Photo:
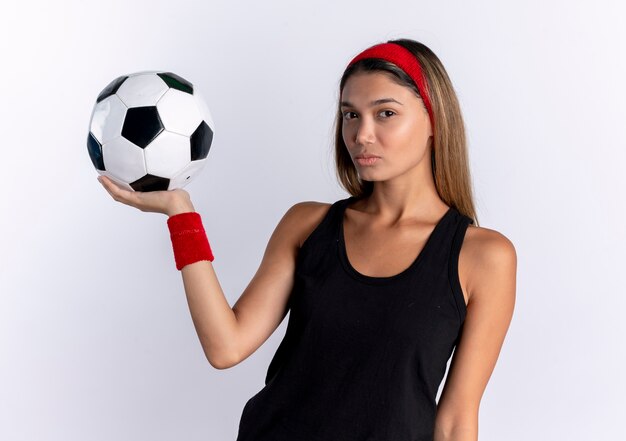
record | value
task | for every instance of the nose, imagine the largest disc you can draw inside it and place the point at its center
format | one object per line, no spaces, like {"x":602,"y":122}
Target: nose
{"x":364,"y":132}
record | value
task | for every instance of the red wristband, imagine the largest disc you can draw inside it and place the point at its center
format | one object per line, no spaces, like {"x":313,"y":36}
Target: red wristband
{"x":189,"y":239}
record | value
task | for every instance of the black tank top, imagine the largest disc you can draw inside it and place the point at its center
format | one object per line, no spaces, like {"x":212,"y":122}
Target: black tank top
{"x":362,"y":357}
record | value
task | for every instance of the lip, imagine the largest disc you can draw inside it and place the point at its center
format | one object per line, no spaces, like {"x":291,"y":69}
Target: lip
{"x":366,"y":156}
{"x":370,"y":160}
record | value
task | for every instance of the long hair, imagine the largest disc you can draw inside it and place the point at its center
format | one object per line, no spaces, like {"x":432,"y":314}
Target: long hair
{"x":449,"y":157}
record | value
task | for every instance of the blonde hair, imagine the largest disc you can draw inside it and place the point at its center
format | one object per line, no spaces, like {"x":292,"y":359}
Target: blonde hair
{"x":450,"y":163}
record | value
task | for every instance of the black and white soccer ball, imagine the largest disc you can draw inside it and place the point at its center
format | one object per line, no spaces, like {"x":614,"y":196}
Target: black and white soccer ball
{"x":150,"y":131}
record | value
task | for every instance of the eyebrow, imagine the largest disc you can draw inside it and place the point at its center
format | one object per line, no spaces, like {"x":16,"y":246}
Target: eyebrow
{"x":373,"y":103}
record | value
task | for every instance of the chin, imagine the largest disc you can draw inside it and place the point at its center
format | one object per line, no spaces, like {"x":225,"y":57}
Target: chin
{"x":369,"y":175}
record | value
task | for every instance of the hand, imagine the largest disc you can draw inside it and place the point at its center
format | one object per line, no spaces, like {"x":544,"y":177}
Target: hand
{"x":168,"y":202}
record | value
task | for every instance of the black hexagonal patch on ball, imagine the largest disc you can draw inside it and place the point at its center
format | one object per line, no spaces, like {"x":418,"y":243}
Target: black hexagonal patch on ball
{"x":150,"y":183}
{"x":201,"y":141}
{"x":111,"y":88}
{"x":176,"y":82}
{"x":142,"y":125}
{"x":95,"y":152}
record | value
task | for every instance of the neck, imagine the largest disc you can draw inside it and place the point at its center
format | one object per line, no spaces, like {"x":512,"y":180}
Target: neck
{"x":405,"y":199}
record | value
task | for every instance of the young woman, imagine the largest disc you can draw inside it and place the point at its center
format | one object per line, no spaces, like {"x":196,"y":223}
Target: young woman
{"x":381,"y":286}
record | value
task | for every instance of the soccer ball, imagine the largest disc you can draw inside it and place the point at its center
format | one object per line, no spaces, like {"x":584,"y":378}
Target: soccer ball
{"x":150,"y":131}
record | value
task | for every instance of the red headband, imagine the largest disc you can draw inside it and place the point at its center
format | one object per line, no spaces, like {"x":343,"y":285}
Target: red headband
{"x":405,"y":60}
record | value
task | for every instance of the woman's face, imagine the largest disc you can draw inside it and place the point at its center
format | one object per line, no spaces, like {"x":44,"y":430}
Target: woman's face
{"x":384,"y":119}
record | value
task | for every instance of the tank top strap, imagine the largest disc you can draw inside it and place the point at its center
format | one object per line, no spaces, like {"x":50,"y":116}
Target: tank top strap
{"x":444,"y":234}
{"x":461,"y":225}
{"x":326,"y":231}
{"x":331,"y":224}
{"x":338,"y":208}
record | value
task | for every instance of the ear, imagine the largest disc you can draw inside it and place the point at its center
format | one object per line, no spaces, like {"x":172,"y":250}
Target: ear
{"x":430,"y":143}
{"x":428,"y":123}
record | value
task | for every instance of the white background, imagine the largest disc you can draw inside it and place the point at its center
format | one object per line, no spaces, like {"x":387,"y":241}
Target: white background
{"x":96,"y":341}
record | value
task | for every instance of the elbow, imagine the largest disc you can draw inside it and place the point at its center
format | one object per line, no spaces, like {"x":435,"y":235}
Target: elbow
{"x":222,"y":354}
{"x":456,"y":433}
{"x":457,"y":428}
{"x":220,"y":366}
{"x":222,"y":362}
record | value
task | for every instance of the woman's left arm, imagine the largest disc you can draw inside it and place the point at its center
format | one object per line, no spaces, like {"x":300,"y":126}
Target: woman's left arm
{"x":490,"y":262}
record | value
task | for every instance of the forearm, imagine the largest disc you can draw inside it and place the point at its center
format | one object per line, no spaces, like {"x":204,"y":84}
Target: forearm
{"x":213,"y":317}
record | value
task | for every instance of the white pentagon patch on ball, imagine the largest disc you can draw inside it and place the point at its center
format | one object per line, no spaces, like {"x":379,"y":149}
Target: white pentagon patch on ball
{"x":150,"y":131}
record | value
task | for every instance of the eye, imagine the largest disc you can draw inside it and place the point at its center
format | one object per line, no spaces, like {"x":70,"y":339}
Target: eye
{"x":349,"y":115}
{"x":387,"y":113}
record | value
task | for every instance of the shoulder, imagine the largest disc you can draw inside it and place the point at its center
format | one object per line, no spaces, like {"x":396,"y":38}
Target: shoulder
{"x":305,"y":216}
{"x":486,"y":244}
{"x":309,"y":206}
{"x":487,"y":259}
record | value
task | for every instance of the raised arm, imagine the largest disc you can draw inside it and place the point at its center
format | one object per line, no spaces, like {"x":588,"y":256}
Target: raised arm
{"x":229,"y":335}
{"x":487,"y":264}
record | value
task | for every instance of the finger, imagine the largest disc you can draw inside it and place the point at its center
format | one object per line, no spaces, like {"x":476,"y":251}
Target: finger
{"x":118,"y":193}
{"x":107,"y":184}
